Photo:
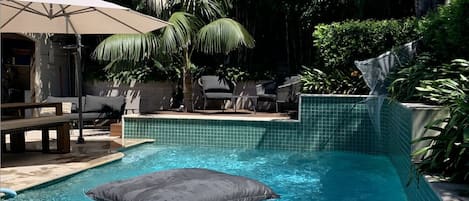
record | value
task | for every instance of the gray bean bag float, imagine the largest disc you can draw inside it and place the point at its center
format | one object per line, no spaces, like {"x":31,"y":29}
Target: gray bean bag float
{"x":188,"y":184}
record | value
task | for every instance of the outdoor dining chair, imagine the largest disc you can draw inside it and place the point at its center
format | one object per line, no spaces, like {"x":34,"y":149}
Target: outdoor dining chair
{"x":287,"y":92}
{"x":216,"y":88}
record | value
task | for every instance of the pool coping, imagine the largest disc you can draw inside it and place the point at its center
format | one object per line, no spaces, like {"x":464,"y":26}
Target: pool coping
{"x":206,"y":117}
{"x":107,"y":159}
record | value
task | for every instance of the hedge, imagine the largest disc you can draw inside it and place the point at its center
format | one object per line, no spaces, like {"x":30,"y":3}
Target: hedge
{"x":341,"y":43}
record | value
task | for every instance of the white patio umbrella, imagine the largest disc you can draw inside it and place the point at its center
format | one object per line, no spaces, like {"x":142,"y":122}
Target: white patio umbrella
{"x":73,"y":17}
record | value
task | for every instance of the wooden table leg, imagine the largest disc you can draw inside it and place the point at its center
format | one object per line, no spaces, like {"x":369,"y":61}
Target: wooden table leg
{"x":63,"y":138}
{"x":17,"y":141}
{"x":45,"y":140}
{"x":4,"y":143}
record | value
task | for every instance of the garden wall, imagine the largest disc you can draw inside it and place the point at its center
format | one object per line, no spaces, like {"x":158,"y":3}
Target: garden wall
{"x":158,"y":95}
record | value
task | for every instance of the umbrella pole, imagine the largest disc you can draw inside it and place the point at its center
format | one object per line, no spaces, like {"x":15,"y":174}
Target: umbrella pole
{"x":80,"y":139}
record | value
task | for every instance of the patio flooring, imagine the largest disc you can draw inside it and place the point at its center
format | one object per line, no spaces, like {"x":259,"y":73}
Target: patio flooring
{"x":20,"y":171}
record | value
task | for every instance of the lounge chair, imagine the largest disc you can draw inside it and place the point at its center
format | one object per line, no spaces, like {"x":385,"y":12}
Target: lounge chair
{"x":285,"y":93}
{"x":216,"y":88}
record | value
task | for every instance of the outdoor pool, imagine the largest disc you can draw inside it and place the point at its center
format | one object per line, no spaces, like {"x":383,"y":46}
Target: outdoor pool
{"x":319,"y":176}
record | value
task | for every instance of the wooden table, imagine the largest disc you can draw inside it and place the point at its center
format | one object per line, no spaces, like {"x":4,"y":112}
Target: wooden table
{"x":16,"y":127}
{"x":22,"y":106}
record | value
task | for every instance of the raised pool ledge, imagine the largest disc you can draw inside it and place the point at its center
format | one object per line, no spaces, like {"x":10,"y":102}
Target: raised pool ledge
{"x":208,"y":117}
{"x":326,"y":123}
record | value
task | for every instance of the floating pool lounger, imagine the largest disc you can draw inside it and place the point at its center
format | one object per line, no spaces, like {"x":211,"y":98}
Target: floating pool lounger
{"x":8,"y":193}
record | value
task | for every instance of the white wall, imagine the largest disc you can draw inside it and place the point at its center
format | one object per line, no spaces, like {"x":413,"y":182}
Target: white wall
{"x":50,"y":67}
{"x":140,"y":97}
{"x":157,"y":95}
{"x":422,"y":115}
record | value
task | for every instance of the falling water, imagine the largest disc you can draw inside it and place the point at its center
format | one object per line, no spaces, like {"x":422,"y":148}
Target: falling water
{"x":375,"y":71}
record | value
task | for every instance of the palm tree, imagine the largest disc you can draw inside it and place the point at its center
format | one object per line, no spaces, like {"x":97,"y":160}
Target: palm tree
{"x":196,"y":25}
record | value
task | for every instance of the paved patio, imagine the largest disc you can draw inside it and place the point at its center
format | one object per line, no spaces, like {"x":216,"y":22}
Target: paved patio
{"x":20,"y":171}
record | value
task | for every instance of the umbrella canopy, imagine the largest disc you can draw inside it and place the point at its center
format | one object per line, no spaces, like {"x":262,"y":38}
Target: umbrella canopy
{"x":73,"y":17}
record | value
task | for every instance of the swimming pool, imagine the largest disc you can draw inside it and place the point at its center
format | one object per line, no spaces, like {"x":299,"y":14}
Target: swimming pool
{"x":322,"y":176}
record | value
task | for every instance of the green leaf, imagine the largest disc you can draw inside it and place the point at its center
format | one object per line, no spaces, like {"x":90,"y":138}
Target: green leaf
{"x":223,"y":36}
{"x":466,"y":135}
{"x":421,"y":151}
{"x":133,"y":47}
{"x":180,"y":33}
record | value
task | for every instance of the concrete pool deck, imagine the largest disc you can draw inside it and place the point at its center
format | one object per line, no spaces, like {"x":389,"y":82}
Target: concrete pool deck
{"x":20,"y":171}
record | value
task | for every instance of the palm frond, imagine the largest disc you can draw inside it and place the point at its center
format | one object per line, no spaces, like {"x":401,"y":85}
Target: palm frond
{"x":133,"y":47}
{"x":158,"y":8}
{"x":209,"y":9}
{"x":223,"y":36}
{"x":182,"y":29}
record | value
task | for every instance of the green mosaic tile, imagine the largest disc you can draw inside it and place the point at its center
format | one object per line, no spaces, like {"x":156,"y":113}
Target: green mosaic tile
{"x":326,"y":124}
{"x":398,"y":131}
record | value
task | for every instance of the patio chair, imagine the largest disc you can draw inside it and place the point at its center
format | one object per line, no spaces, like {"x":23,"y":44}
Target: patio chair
{"x":216,"y":88}
{"x":285,"y":93}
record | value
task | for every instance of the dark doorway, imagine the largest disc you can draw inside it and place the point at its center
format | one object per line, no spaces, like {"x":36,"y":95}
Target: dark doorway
{"x":17,"y":61}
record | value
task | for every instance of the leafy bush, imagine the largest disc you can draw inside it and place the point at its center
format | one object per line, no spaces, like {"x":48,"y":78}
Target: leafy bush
{"x":233,"y":73}
{"x":316,"y":81}
{"x":445,"y":32}
{"x":340,"y":44}
{"x":124,"y":71}
{"x":448,"y":153}
{"x":405,"y":80}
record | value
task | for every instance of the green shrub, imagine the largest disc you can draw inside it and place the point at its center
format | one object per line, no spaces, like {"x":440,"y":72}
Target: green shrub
{"x":340,"y":44}
{"x":124,"y":71}
{"x":316,"y":81}
{"x":445,"y":32}
{"x":405,"y":80}
{"x":448,"y":154}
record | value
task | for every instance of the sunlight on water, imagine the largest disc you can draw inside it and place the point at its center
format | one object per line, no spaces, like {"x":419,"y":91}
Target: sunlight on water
{"x":324,"y":176}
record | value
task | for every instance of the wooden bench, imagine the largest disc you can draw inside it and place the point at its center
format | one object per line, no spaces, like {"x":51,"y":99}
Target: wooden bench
{"x":16,"y":128}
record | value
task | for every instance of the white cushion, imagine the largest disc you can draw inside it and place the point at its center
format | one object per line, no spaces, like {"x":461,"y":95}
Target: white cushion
{"x":50,"y":111}
{"x":73,"y":100}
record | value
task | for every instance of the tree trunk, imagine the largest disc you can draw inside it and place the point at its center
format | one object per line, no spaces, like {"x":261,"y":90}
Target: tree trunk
{"x":187,"y":83}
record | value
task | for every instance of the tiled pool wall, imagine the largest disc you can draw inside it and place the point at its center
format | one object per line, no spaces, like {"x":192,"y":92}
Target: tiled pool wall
{"x":338,"y":123}
{"x":326,"y":123}
{"x":397,"y":129}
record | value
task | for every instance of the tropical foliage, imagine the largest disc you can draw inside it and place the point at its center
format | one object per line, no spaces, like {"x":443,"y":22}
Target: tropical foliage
{"x":440,"y":77}
{"x":444,"y":38}
{"x":318,"y":82}
{"x":405,"y":80}
{"x":340,"y":44}
{"x":195,"y":26}
{"x":282,"y":28}
{"x":445,"y":32}
{"x":448,"y":152}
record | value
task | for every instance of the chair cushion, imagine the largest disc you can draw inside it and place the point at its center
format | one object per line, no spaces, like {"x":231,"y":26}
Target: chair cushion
{"x":50,"y":111}
{"x":291,"y":79}
{"x":218,"y":95}
{"x":268,"y":87}
{"x":88,"y":116}
{"x":268,"y":97}
{"x":188,"y":184}
{"x":73,"y":100}
{"x":215,"y":84}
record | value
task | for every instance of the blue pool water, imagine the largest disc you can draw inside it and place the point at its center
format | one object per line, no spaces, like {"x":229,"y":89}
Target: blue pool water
{"x":322,"y":176}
